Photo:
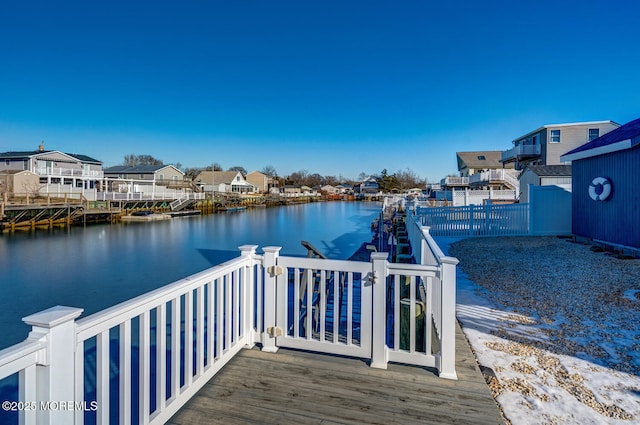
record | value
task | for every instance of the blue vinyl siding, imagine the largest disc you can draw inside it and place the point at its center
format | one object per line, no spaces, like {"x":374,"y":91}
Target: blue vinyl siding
{"x":617,"y":219}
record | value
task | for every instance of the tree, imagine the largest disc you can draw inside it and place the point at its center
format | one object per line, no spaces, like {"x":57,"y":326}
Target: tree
{"x":298,"y":178}
{"x":409,"y":179}
{"x":216,"y":167}
{"x":269,"y":170}
{"x":239,"y":169}
{"x":134,"y":160}
{"x":192,"y":173}
{"x":314,"y":180}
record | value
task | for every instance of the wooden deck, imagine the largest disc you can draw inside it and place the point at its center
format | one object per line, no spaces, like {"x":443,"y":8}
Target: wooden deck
{"x":296,"y":387}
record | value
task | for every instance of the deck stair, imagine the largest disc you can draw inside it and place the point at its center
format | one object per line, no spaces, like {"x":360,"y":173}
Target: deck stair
{"x":181,"y":203}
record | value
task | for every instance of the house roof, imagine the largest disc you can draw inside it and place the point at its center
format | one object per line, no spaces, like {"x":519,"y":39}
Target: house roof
{"x":137,"y":169}
{"x":219,"y":177}
{"x":549,"y":170}
{"x":479,"y":159}
{"x":29,"y":154}
{"x":623,"y":137}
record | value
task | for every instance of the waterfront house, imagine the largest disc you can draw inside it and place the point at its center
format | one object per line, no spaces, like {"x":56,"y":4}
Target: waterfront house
{"x":344,"y":188}
{"x":545,"y":145}
{"x":369,"y":185}
{"x":60,"y":174}
{"x":485,"y":171}
{"x":291,"y":190}
{"x":605,"y":179}
{"x":161,"y":174}
{"x":262,"y":182}
{"x":139,"y":177}
{"x":544,"y":175}
{"x":470,"y":163}
{"x":223,"y":182}
{"x":329,"y":190}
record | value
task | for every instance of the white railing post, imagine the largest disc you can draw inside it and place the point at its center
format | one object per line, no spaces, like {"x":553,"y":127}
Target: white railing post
{"x":55,"y":373}
{"x":426,"y":256}
{"x":248,"y":293}
{"x":270,"y":258}
{"x":379,"y":351}
{"x":447,"y":367}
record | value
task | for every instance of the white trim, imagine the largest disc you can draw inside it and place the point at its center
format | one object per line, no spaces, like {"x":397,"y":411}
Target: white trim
{"x":600,"y":150}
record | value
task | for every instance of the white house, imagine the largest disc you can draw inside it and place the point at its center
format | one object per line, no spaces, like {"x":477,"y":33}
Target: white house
{"x":223,"y":181}
{"x":61,"y":174}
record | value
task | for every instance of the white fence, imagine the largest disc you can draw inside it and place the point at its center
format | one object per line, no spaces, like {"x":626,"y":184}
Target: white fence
{"x":466,"y":197}
{"x":476,"y":220}
{"x":68,"y":191}
{"x":159,"y":193}
{"x":547,"y":213}
{"x":140,"y":361}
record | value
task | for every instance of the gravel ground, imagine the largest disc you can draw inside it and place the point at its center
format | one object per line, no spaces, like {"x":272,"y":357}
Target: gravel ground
{"x":559,"y":304}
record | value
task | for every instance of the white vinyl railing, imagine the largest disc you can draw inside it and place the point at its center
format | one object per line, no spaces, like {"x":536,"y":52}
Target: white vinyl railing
{"x":455,"y":181}
{"x":520,"y":150}
{"x":476,"y":220}
{"x":140,"y":361}
{"x":63,"y":172}
{"x":493,"y":176}
{"x":161,"y":194}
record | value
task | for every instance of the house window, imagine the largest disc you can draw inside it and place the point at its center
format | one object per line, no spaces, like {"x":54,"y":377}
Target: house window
{"x":555,"y":136}
{"x":481,"y":157}
{"x":594,"y":133}
{"x":7,"y":162}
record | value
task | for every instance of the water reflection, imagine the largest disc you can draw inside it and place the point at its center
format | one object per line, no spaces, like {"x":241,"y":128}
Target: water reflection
{"x":99,"y":266}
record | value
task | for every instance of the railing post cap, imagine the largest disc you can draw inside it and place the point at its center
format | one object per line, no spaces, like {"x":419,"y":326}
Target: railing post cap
{"x":379,"y":255}
{"x":271,"y":248}
{"x":245,"y":248}
{"x":53,"y":316}
{"x":449,"y":260}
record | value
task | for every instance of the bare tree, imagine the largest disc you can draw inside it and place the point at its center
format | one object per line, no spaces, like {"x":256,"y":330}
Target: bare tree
{"x":216,"y":167}
{"x":269,"y":170}
{"x":133,"y":160}
{"x":238,"y":168}
{"x":409,"y":179}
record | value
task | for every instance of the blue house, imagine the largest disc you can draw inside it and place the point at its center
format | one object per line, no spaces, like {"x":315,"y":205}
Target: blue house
{"x":606,"y":188}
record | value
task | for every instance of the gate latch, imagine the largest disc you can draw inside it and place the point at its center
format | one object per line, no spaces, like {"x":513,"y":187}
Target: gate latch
{"x":274,"y":331}
{"x":275,"y":270}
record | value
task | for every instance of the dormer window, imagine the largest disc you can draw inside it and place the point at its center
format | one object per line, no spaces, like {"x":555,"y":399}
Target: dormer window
{"x":482,"y":157}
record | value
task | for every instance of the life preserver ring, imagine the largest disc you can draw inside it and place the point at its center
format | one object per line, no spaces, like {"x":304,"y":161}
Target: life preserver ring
{"x":605,"y":190}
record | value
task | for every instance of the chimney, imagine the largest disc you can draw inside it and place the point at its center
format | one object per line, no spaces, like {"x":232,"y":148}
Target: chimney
{"x":41,"y":147}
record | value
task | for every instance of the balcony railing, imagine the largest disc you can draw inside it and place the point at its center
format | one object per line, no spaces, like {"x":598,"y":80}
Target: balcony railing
{"x":455,"y":181}
{"x":68,"y":172}
{"x":520,"y":151}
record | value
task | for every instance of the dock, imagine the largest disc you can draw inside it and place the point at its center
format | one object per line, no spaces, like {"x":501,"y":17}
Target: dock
{"x":300,"y":387}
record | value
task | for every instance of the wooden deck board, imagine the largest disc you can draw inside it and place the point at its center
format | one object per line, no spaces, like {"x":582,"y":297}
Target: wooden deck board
{"x":298,"y":387}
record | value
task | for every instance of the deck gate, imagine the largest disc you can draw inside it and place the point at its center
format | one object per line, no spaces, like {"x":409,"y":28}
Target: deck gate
{"x":324,"y":305}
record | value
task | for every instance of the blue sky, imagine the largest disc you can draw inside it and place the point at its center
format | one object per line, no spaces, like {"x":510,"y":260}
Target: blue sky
{"x":331,"y":87}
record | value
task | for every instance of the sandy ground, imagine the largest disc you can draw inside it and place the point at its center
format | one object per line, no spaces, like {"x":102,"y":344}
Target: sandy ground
{"x":557,"y":323}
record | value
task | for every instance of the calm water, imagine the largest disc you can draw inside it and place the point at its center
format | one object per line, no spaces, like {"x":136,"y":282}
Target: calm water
{"x":99,"y":266}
